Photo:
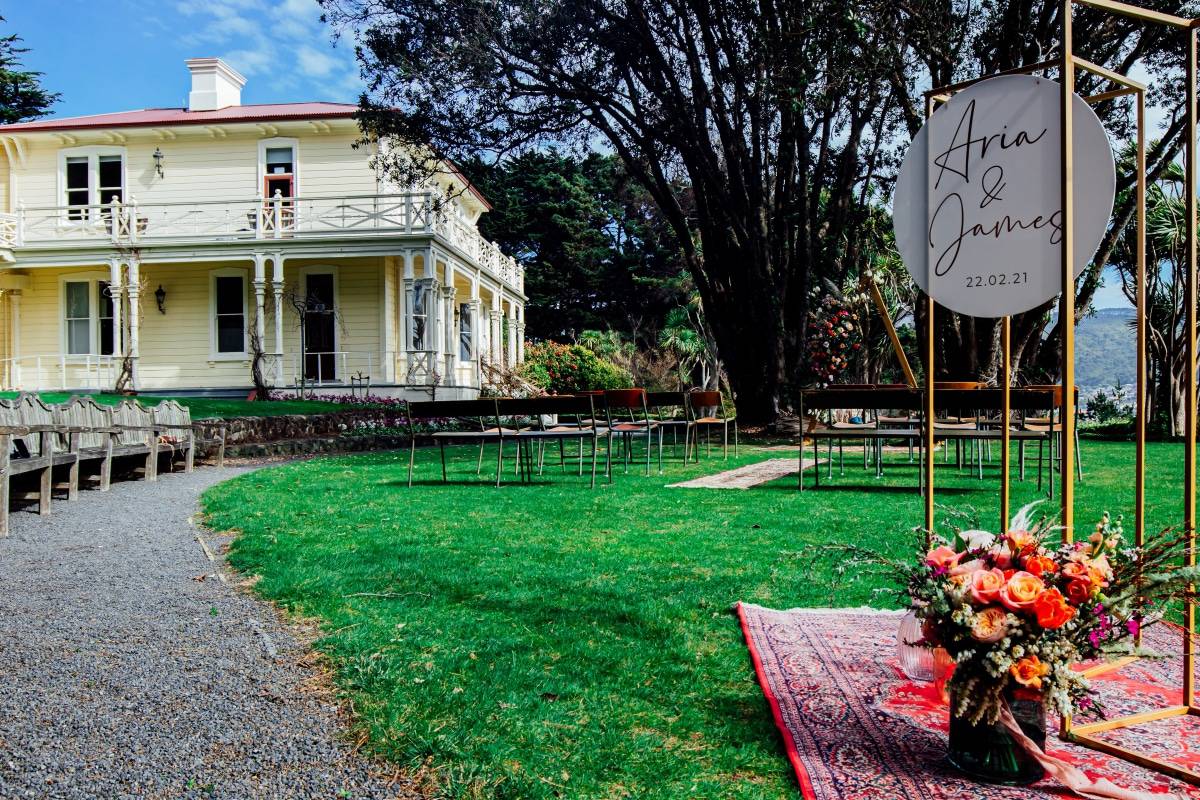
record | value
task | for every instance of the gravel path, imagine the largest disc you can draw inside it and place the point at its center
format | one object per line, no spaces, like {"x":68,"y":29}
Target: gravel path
{"x":129,"y":669}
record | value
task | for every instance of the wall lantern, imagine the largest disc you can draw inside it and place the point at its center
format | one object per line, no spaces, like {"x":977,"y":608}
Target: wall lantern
{"x":159,"y":158}
{"x":160,"y":296}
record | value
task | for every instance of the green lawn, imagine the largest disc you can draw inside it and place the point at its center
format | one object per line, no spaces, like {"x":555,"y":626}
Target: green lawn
{"x":550,"y":641}
{"x":206,"y":407}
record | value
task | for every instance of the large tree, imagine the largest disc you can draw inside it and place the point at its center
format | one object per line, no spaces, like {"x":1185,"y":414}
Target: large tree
{"x":764,"y":130}
{"x":597,"y":254}
{"x":21,"y":94}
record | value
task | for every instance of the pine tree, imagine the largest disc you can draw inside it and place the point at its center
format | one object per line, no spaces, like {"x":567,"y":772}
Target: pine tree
{"x":21,"y":94}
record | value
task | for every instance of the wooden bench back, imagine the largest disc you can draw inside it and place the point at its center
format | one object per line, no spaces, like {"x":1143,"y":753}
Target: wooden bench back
{"x":84,"y":412}
{"x":171,"y":412}
{"x":34,"y":411}
{"x":10,"y":414}
{"x":130,"y":412}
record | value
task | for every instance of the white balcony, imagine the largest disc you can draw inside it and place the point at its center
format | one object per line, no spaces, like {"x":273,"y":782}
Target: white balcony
{"x":279,"y":218}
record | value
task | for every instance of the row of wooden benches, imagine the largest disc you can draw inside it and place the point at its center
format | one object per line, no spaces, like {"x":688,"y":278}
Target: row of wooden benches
{"x":47,"y":447}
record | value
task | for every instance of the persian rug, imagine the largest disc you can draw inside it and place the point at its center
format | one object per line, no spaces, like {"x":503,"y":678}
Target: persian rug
{"x":855,"y":728}
{"x":748,"y":476}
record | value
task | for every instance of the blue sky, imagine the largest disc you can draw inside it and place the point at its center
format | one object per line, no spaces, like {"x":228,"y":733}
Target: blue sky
{"x":117,"y":55}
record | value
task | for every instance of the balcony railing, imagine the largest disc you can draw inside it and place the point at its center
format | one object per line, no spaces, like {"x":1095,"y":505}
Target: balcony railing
{"x":279,"y":217}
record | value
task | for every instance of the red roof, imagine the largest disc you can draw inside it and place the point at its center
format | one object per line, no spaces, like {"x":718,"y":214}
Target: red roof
{"x":153,"y":117}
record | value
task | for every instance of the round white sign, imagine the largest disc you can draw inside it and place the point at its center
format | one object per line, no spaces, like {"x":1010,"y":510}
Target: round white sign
{"x":978,"y":204}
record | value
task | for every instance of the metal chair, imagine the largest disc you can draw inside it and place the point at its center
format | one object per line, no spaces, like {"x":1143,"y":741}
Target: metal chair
{"x":708,"y":412}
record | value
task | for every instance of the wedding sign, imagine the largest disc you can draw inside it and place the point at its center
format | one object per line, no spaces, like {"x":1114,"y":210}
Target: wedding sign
{"x":978,"y":204}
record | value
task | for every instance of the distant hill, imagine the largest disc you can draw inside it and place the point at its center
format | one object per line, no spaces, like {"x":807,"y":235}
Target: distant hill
{"x":1105,"y":350}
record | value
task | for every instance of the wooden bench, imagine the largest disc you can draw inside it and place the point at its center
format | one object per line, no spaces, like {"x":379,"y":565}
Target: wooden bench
{"x":137,"y":436}
{"x":99,"y":440}
{"x":177,"y":428}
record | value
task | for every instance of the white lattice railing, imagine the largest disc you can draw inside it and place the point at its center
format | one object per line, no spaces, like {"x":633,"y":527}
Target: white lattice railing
{"x":58,"y":371}
{"x":256,"y":219}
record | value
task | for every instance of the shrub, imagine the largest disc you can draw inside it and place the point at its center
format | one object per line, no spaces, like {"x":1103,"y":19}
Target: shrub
{"x":564,"y":368}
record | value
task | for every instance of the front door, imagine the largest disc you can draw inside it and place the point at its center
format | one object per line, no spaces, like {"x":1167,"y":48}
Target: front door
{"x":320,"y":321}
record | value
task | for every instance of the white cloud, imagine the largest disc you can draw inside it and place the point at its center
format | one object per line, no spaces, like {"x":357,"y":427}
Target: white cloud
{"x":316,"y":63}
{"x":282,"y":42}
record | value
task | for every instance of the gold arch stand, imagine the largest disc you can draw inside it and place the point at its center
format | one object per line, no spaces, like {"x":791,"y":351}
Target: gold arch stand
{"x":1123,"y":85}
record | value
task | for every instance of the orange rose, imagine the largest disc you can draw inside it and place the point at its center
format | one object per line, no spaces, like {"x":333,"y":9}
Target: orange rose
{"x":1079,"y":591}
{"x":1052,"y":610}
{"x":1075,"y":569}
{"x":990,"y":625}
{"x":1021,"y":591}
{"x":1040,"y":565}
{"x":986,"y":585}
{"x":1020,"y":541}
{"x":942,"y":557}
{"x":1029,"y":672}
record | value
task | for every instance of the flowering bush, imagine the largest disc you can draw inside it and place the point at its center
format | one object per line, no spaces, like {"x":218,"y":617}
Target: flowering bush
{"x":1019,"y":610}
{"x":834,"y":336}
{"x":564,"y":368}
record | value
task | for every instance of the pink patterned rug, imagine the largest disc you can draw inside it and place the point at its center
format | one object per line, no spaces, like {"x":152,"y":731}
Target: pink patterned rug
{"x":856,"y":728}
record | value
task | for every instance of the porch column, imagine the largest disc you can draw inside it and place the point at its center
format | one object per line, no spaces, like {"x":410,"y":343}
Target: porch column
{"x":403,"y":289}
{"x":512,"y":336}
{"x":277,"y":291}
{"x":116,"y":288}
{"x":14,"y":298}
{"x":476,"y":327}
{"x":449,"y":351}
{"x":497,"y":331}
{"x":260,"y":300}
{"x":521,"y":334}
{"x":135,"y":291}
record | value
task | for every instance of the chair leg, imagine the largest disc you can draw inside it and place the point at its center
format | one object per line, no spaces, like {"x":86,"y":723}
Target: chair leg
{"x":479,"y":461}
{"x":499,"y":461}
{"x":106,"y":472}
{"x":1078,"y":456}
{"x":595,"y":442}
{"x":442,"y":449}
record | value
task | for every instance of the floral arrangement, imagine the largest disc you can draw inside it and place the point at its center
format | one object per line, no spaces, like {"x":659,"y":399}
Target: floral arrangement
{"x":834,"y":336}
{"x":1017,"y":611}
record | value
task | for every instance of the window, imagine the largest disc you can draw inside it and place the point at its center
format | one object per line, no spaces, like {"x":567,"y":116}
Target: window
{"x":88,"y":317}
{"x":110,"y":179}
{"x":230,"y":303}
{"x":466,"y":331}
{"x":79,"y":317}
{"x":91,"y":176}
{"x":420,"y":315}
{"x":280,"y":168}
{"x":78,"y":196}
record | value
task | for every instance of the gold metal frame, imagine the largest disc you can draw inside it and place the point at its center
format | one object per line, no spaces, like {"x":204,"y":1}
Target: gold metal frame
{"x":1086,"y":734}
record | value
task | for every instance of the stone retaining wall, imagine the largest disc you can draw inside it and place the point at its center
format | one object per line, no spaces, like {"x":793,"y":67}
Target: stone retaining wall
{"x":250,"y":430}
{"x":316,"y":446}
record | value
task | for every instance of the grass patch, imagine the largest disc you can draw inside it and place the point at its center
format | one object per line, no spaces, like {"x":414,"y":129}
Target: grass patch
{"x":550,"y":641}
{"x":209,"y":407}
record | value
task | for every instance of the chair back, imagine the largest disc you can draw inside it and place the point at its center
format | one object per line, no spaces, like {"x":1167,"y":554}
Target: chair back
{"x":630,"y":401}
{"x":131,"y":412}
{"x":706,"y":403}
{"x":580,"y":408}
{"x":957,"y":385}
{"x":84,"y":412}
{"x":673,"y":404}
{"x":483,"y":411}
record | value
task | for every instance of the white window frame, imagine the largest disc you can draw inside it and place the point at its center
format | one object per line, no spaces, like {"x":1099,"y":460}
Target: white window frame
{"x":231,"y":272}
{"x":278,"y":141}
{"x":92,"y":153}
{"x":93,"y":280}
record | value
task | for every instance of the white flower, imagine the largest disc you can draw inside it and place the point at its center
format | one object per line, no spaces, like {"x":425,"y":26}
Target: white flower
{"x":976,"y":539}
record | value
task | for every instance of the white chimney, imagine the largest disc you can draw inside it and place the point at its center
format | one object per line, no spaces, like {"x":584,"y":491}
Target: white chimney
{"x":215,"y":85}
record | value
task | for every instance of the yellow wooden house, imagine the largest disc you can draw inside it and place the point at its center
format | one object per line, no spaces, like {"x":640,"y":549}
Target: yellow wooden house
{"x":167,"y":247}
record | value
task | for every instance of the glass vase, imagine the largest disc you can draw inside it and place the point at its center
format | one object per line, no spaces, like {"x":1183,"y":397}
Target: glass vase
{"x":987,"y":752}
{"x":916,"y":661}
